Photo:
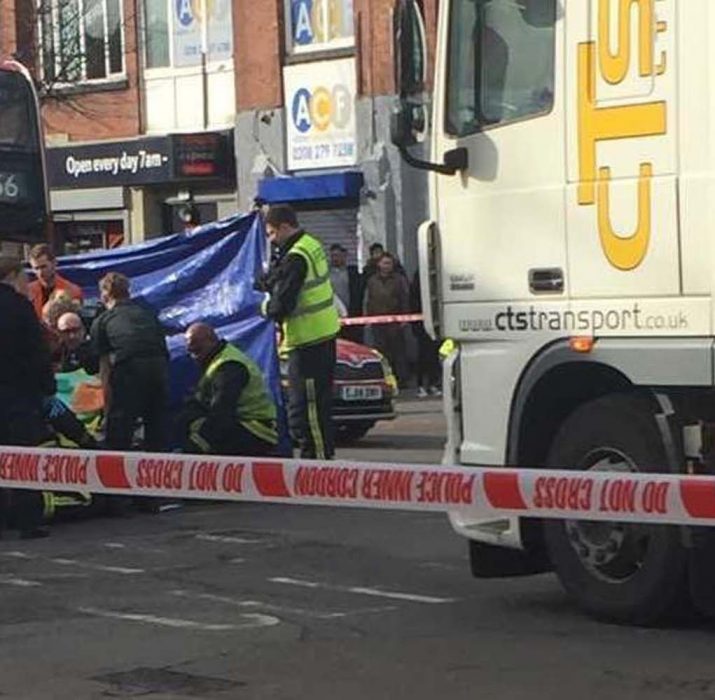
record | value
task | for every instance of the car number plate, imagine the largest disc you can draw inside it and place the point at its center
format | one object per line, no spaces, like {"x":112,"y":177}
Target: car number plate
{"x":361,"y":393}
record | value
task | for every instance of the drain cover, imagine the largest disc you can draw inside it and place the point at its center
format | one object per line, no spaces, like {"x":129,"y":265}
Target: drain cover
{"x":147,"y":681}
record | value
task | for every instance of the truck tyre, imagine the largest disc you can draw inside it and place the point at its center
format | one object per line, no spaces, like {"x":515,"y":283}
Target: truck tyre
{"x":625,"y":573}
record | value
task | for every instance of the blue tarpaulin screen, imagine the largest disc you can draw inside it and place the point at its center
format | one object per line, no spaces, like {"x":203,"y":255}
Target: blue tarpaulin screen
{"x":207,"y":276}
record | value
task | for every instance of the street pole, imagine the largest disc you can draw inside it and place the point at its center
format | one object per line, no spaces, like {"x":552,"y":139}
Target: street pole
{"x":204,"y":61}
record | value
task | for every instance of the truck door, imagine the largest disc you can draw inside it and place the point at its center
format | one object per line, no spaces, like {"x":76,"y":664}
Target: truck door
{"x":502,"y":222}
{"x":622,"y":207}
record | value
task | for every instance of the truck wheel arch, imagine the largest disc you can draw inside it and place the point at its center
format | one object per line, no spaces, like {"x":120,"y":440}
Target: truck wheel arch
{"x":557,"y":374}
{"x":554,"y":384}
{"x":558,"y":380}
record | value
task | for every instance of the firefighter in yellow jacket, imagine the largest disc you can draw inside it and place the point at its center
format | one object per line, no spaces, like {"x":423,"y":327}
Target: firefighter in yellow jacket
{"x":231,"y":411}
{"x":300,"y":298}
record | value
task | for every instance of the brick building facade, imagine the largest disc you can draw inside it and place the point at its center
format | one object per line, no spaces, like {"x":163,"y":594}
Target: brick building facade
{"x":262,"y":93}
{"x":392,"y":199}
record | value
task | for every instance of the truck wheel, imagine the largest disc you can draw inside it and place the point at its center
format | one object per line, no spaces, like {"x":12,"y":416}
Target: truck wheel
{"x":627,"y":573}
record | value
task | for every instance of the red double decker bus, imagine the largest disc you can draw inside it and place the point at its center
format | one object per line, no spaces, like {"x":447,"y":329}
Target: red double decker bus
{"x":24,"y":206}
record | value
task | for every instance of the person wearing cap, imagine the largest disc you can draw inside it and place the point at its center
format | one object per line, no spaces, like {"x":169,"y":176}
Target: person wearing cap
{"x":299,"y":296}
{"x":231,"y":411}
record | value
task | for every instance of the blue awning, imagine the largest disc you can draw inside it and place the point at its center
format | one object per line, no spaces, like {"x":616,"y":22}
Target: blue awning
{"x":307,"y":188}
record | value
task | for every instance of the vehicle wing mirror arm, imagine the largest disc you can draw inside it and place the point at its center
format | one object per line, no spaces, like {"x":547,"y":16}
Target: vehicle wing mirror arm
{"x":455,"y":161}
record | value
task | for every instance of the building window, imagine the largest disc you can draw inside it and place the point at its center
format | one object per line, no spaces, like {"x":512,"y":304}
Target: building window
{"x":174,"y":36}
{"x":501,"y":63}
{"x":319,"y":25}
{"x":156,"y":23}
{"x":77,"y":237}
{"x":82,"y":40}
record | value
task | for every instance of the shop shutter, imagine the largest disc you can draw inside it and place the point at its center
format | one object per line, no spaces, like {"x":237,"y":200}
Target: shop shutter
{"x":333,"y":226}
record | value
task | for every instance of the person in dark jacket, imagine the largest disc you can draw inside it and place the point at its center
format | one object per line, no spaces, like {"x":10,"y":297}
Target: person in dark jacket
{"x":128,"y":347}
{"x":300,"y":298}
{"x":26,"y":378}
{"x":231,"y":411}
{"x":377,"y":250}
{"x":429,"y":369}
{"x":387,"y":294}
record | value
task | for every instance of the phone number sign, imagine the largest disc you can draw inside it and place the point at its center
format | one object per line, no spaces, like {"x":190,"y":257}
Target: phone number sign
{"x":321,"y":124}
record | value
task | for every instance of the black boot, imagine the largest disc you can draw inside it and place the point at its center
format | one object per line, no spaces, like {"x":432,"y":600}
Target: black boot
{"x":37,"y":534}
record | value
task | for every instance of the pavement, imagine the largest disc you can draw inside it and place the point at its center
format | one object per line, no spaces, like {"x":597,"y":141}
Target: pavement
{"x":277,"y":602}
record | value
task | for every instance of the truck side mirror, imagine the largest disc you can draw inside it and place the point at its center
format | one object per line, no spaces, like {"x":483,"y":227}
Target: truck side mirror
{"x":401,"y":127}
{"x":406,"y":121}
{"x":408,"y":118}
{"x":410,"y":45}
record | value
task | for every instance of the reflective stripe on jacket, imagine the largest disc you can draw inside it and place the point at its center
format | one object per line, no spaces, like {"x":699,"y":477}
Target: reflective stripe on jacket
{"x":314,"y":318}
{"x":256,"y":411}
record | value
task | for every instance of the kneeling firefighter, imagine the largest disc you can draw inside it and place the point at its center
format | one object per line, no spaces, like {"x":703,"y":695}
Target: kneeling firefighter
{"x":70,"y":433}
{"x":232,"y":411}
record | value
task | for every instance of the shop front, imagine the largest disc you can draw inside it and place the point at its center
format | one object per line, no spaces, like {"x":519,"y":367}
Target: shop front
{"x":328,"y":206}
{"x":107,"y":194}
{"x":322,"y":152}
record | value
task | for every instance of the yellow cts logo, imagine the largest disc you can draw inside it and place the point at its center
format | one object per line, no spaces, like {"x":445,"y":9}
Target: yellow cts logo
{"x":623,"y":251}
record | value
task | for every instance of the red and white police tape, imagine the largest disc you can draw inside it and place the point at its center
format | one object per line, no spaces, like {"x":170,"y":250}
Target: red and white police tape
{"x":377,"y":320}
{"x":481,"y":491}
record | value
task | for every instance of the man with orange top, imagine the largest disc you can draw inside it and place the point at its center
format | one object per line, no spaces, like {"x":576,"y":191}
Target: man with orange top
{"x":49,"y":282}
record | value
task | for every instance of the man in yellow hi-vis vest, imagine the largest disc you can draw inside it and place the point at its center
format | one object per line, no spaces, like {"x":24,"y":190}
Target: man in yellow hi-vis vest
{"x":231,"y":411}
{"x":300,"y":298}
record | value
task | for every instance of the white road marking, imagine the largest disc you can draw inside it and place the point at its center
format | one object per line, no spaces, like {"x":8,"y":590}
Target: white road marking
{"x":126,"y":571}
{"x":253,"y":620}
{"x":19,"y":582}
{"x":17,"y":555}
{"x":97,"y":567}
{"x":223,"y":539}
{"x":168,"y":507}
{"x":440,"y":565}
{"x":133,"y":548}
{"x":58,"y":576}
{"x":320,"y":615}
{"x":359,"y":590}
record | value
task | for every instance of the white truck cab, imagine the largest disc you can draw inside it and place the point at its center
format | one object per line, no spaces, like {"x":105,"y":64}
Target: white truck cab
{"x":570,"y":256}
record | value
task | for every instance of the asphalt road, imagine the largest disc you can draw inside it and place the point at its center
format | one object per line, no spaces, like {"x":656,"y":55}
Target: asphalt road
{"x":250,"y":601}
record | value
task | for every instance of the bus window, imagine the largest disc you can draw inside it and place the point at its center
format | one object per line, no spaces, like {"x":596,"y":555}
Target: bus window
{"x":23,"y":191}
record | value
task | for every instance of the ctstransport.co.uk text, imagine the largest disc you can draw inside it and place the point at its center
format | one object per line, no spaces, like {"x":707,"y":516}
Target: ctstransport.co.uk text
{"x":593,"y":321}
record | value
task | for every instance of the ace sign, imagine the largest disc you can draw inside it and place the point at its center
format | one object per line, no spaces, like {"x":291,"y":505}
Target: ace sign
{"x":321,"y":124}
